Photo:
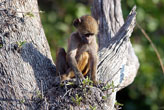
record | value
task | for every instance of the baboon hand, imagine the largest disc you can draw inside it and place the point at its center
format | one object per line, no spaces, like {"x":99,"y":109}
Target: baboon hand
{"x":79,"y":78}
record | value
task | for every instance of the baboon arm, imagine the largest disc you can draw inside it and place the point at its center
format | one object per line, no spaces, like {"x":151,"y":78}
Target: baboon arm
{"x":72,"y":60}
{"x":71,"y":53}
{"x":93,"y":66}
{"x":94,"y":61}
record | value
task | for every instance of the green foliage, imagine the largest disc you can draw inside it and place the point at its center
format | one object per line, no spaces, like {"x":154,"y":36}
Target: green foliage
{"x":1,"y":45}
{"x":104,"y":97}
{"x":39,"y":95}
{"x":148,"y":86}
{"x":30,"y":14}
{"x":22,"y":101}
{"x":20,"y":43}
{"x":92,"y":107}
{"x":70,"y":83}
{"x":118,"y":104}
{"x":109,"y":86}
{"x":77,"y":100}
{"x":87,"y":82}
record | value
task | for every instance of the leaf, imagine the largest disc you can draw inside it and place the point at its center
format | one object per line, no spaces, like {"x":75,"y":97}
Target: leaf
{"x":30,"y":14}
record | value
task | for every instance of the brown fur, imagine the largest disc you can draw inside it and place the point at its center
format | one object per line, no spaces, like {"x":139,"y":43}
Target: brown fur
{"x":61,"y":63}
{"x":82,"y":51}
{"x":83,"y":66}
{"x":86,"y":24}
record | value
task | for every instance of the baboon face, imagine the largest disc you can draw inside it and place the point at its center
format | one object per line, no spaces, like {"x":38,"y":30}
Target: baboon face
{"x":87,"y":28}
{"x":87,"y":38}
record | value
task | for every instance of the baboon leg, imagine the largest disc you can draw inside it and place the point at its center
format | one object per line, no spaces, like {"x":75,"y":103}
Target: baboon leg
{"x":83,"y":65}
{"x":61,"y":63}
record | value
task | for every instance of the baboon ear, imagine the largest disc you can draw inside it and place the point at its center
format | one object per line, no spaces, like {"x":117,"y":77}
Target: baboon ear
{"x":76,"y":22}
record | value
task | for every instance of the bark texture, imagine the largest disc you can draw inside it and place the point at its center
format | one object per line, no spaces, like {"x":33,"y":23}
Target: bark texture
{"x":118,"y":62}
{"x":22,"y":67}
{"x":27,"y":71}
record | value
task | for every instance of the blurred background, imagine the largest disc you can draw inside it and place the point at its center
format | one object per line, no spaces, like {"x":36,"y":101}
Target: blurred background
{"x":147,"y":91}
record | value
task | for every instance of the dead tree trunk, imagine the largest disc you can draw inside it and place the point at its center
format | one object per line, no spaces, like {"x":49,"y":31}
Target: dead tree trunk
{"x":26,"y":68}
{"x":118,"y":62}
{"x":25,"y":59}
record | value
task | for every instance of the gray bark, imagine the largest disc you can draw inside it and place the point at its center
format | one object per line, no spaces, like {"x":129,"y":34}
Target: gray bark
{"x":118,"y":62}
{"x":22,"y":68}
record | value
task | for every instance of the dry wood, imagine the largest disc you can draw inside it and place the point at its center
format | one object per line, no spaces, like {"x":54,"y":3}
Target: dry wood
{"x":26,"y":68}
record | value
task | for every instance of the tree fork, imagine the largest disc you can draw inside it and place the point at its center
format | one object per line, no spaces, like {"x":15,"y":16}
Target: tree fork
{"x":26,"y":67}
